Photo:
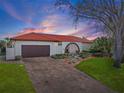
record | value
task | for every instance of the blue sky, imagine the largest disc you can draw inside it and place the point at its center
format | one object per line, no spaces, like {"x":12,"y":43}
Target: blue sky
{"x":40,"y":16}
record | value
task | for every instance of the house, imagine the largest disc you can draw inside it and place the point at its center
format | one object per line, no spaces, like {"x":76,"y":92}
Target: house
{"x":42,"y":45}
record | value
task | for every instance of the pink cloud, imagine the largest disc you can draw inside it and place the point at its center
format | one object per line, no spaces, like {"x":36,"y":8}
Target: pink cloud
{"x":84,"y":29}
{"x":35,"y":30}
{"x":92,"y":38}
{"x":66,"y":31}
{"x":48,"y":25}
{"x":2,"y":36}
{"x":26,"y":31}
{"x":51,"y":21}
{"x":29,"y":30}
{"x":95,"y":35}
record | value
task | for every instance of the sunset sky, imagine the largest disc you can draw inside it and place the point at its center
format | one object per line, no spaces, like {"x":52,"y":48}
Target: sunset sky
{"x":40,"y":16}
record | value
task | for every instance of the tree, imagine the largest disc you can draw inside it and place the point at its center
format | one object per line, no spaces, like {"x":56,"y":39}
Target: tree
{"x":2,"y":45}
{"x":109,"y":13}
{"x":6,"y":42}
{"x":102,"y":44}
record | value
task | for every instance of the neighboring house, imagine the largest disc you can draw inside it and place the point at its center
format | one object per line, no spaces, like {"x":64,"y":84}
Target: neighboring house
{"x":42,"y":45}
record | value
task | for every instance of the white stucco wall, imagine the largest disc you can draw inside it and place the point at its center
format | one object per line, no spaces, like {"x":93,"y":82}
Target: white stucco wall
{"x":86,"y":46}
{"x":10,"y":54}
{"x":54,"y":48}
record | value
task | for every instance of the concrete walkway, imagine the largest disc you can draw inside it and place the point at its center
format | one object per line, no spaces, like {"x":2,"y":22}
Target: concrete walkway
{"x":54,"y":76}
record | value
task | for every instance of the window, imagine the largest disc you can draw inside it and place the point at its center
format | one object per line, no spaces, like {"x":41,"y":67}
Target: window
{"x":59,"y":43}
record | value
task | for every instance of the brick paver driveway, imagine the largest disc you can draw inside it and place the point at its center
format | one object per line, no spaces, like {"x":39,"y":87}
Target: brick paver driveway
{"x":53,"y":76}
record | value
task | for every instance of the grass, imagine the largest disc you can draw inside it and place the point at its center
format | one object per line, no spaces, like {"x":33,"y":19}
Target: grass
{"x":14,"y":79}
{"x":101,"y":69}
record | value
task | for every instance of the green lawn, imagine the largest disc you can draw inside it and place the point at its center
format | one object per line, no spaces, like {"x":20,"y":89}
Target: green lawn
{"x":101,"y":69}
{"x":14,"y":79}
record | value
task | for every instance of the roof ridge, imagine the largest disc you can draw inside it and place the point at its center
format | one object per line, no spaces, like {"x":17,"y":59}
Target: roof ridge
{"x":53,"y":34}
{"x":49,"y":37}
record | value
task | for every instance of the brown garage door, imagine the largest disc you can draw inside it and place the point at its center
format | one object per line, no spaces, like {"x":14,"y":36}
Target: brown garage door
{"x":35,"y":51}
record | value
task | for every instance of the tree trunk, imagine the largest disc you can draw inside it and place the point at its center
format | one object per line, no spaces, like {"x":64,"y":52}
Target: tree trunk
{"x":118,"y":54}
{"x":0,"y":50}
{"x":123,"y":51}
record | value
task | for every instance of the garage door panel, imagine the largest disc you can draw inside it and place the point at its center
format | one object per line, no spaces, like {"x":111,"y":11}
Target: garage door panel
{"x":35,"y":50}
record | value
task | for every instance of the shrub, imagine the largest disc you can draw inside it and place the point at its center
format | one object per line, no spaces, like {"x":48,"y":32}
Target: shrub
{"x":84,"y":54}
{"x":18,"y":58}
{"x":59,"y":56}
{"x":98,"y":54}
{"x":101,"y":47}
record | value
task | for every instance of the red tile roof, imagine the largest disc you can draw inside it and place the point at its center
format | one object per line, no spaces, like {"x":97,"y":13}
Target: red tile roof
{"x":49,"y":37}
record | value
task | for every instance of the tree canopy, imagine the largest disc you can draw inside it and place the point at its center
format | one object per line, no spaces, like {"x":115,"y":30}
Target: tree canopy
{"x":109,"y":13}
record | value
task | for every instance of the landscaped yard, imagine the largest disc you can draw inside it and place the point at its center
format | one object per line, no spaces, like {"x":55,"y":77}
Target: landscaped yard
{"x":101,"y":69}
{"x":14,"y":79}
